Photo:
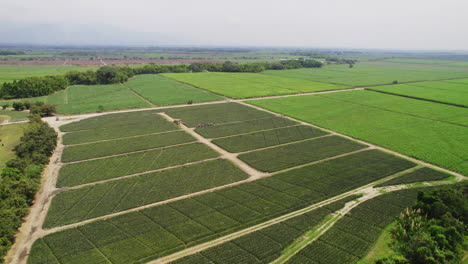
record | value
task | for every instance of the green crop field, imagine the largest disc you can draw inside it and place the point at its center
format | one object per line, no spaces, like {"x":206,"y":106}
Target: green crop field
{"x":298,"y":153}
{"x":107,"y":168}
{"x":419,"y":175}
{"x":164,"y":91}
{"x":160,"y":230}
{"x":120,"y":146}
{"x":13,"y":116}
{"x":10,"y":137}
{"x":9,"y":73}
{"x":267,"y":138}
{"x":444,"y":92}
{"x":374,"y":73}
{"x":435,"y":142}
{"x":123,"y":194}
{"x":244,"y":85}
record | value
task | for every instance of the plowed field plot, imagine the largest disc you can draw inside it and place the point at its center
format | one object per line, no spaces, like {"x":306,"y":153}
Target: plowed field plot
{"x":268,"y":138}
{"x":120,"y":146}
{"x":160,"y":230}
{"x":298,"y":153}
{"x":352,"y":236}
{"x":245,"y":85}
{"x":108,"y":168}
{"x":443,"y":92}
{"x":164,"y":91}
{"x":123,"y":194}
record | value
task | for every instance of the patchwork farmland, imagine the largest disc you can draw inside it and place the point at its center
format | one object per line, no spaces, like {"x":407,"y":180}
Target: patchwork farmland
{"x":216,"y":183}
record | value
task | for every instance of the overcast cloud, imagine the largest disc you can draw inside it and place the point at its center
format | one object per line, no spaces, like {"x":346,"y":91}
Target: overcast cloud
{"x":395,"y":24}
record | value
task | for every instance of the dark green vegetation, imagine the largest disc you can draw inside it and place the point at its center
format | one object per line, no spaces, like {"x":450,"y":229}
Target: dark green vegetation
{"x":163,"y":91}
{"x":265,"y":245}
{"x":215,"y":114}
{"x":448,"y":92}
{"x":434,"y":230}
{"x":123,"y":194}
{"x":144,"y":124}
{"x":113,"y":167}
{"x":124,"y":145}
{"x":268,"y":138}
{"x":353,"y":235}
{"x":298,"y":153}
{"x":160,"y":230}
{"x":411,"y":132}
{"x":33,"y":87}
{"x":20,"y":180}
{"x":229,"y":129}
{"x":419,"y":175}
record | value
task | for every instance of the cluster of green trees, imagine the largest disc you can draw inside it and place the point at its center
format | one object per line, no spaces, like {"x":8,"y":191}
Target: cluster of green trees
{"x":36,"y":108}
{"x":20,"y":179}
{"x":433,"y":231}
{"x":40,"y":86}
{"x":7,"y":53}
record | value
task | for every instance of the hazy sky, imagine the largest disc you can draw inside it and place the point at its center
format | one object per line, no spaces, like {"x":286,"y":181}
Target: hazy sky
{"x":396,"y":24}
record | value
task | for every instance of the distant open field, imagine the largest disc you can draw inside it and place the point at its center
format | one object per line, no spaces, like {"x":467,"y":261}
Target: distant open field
{"x":11,"y":115}
{"x":10,"y":136}
{"x":164,"y":91}
{"x":374,"y":73}
{"x":9,"y":73}
{"x":435,"y":142}
{"x":244,"y":85}
{"x":451,"y":92}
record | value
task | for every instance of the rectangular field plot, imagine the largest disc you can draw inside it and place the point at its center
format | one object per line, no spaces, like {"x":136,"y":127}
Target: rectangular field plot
{"x":111,"y":120}
{"x":265,"y":245}
{"x":164,"y":91}
{"x":428,"y":92}
{"x":107,"y":168}
{"x":353,"y":235}
{"x":149,"y":125}
{"x":245,"y":85}
{"x":419,"y":175}
{"x":120,"y":146}
{"x":373,"y":73}
{"x":290,"y":155}
{"x":230,"y":129}
{"x":176,"y":225}
{"x":80,"y":99}
{"x":216,"y":114}
{"x":408,"y":106}
{"x":431,"y":141}
{"x":268,"y":138}
{"x":110,"y":197}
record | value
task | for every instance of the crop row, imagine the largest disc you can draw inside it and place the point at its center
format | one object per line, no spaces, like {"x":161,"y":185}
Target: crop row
{"x":419,"y":175}
{"x":109,"y":120}
{"x":216,"y":114}
{"x":119,"y":146}
{"x":105,"y":198}
{"x":230,"y":129}
{"x":287,"y":156}
{"x":352,"y":236}
{"x":113,"y":167}
{"x":201,"y":218}
{"x":265,"y":245}
{"x":267,"y":138}
{"x":154,"y":124}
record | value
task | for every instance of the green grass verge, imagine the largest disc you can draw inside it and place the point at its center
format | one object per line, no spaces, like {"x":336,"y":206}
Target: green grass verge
{"x":10,"y":137}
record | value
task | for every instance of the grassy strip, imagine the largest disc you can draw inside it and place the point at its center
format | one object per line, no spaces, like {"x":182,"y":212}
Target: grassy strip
{"x":119,"y":146}
{"x":10,"y":137}
{"x":294,"y":154}
{"x":110,"y":197}
{"x":267,"y":138}
{"x":113,"y":167}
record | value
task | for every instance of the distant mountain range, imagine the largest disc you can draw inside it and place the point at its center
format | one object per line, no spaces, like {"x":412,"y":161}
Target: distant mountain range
{"x":53,"y":34}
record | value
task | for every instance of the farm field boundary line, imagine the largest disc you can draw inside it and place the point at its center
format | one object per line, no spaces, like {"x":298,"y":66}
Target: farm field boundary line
{"x":139,"y":95}
{"x":105,"y":140}
{"x":366,"y":189}
{"x":458,"y":175}
{"x":402,"y":113}
{"x":252,"y":132}
{"x":196,"y":87}
{"x":417,"y":98}
{"x":298,"y":94}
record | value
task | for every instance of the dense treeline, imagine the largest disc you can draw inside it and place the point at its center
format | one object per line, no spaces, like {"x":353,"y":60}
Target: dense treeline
{"x":20,"y":180}
{"x":40,"y":86}
{"x":433,"y":230}
{"x":7,"y":53}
